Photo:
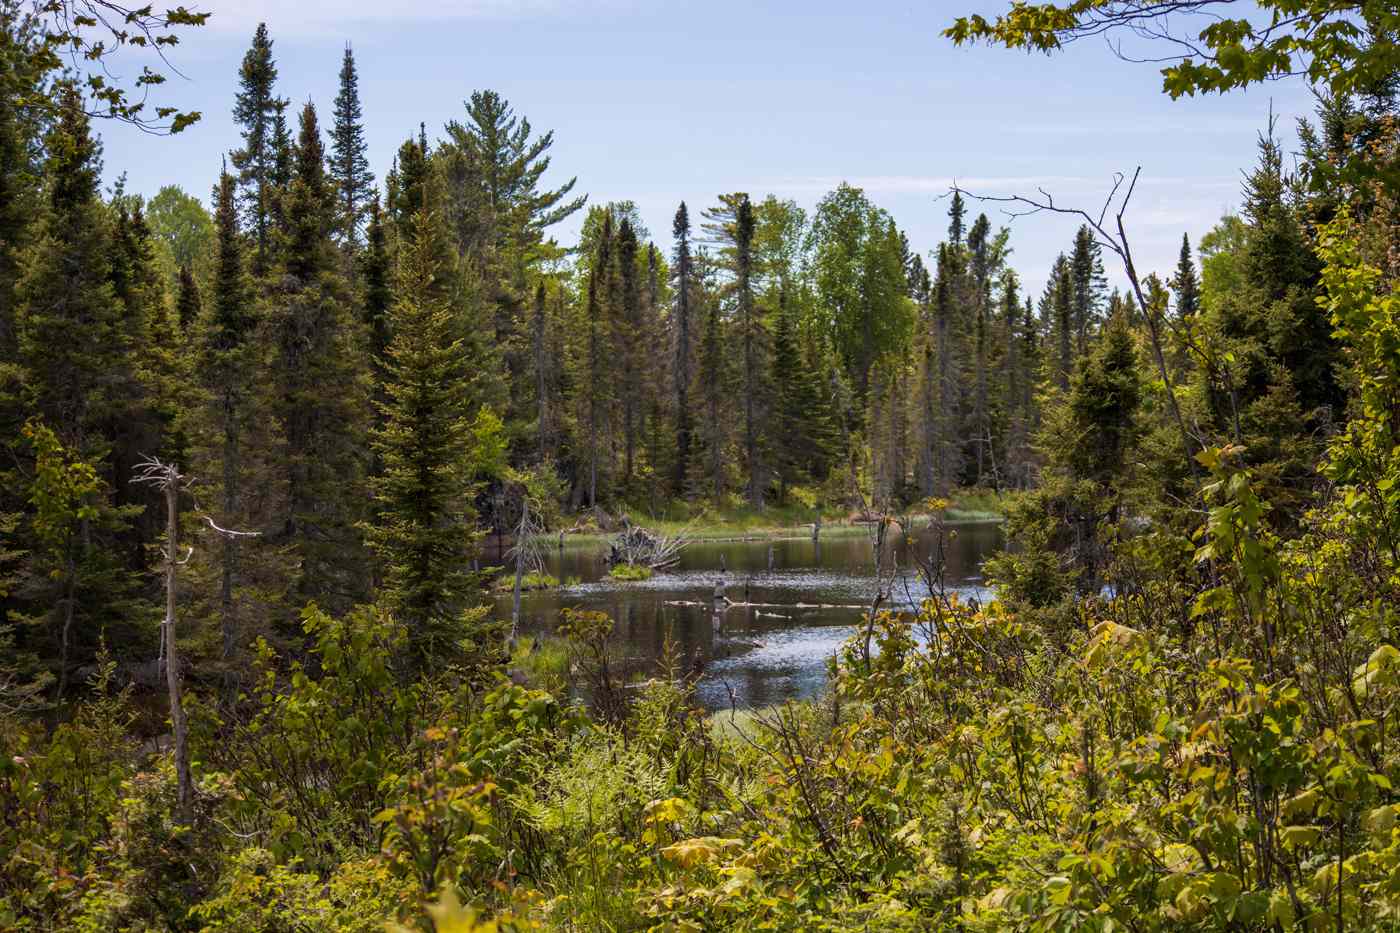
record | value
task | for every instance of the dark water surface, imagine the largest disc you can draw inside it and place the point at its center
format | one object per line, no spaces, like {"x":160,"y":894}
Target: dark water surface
{"x":812,"y":601}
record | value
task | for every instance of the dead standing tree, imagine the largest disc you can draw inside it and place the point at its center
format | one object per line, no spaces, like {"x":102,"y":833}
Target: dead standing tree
{"x":526,"y":552}
{"x":1111,"y":233}
{"x":167,"y":478}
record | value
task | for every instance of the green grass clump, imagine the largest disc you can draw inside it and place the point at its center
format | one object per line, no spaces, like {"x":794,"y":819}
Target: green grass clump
{"x":629,"y":573}
{"x":976,"y":505}
{"x":531,"y":581}
{"x":544,"y":660}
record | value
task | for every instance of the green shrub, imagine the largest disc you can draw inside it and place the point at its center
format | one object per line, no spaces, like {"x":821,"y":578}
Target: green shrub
{"x":630,"y":573}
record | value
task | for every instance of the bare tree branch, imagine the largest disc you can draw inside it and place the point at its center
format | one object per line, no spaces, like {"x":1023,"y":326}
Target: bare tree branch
{"x":1115,"y":239}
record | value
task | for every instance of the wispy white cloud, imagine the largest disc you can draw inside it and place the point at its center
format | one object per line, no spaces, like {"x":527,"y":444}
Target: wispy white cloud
{"x":1069,"y":190}
{"x":919,"y":184}
{"x":318,"y":17}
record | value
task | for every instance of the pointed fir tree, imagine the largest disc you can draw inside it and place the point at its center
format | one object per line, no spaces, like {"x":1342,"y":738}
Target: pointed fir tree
{"x":405,"y":184}
{"x":544,"y":382}
{"x":980,"y":249}
{"x":753,"y":345}
{"x":656,"y":348}
{"x":73,"y":334}
{"x":957,"y":214}
{"x":802,"y":425}
{"x":424,"y":533}
{"x":1185,"y":284}
{"x":276,"y":190}
{"x":711,"y":378}
{"x":598,"y":338}
{"x":681,"y":322}
{"x":255,"y":109}
{"x":629,"y":332}
{"x":1086,"y":274}
{"x":323,"y":385}
{"x":78,"y":376}
{"x":1013,"y":372}
{"x":1284,"y":315}
{"x":1104,"y":402}
{"x":21,"y":126}
{"x":187,"y":299}
{"x":375,"y":275}
{"x":349,"y":165}
{"x":234,"y":446}
{"x":145,"y":424}
{"x":943,"y":442}
{"x":1059,"y":304}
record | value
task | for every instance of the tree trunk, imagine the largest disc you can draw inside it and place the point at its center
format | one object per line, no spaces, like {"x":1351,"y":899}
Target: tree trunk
{"x":179,"y":727}
{"x":70,"y":598}
{"x":228,"y":623}
{"x":520,"y":567}
{"x":541,"y":376}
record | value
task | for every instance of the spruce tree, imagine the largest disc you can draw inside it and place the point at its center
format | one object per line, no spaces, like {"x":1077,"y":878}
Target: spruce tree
{"x":981,"y":251}
{"x":681,"y":322}
{"x":629,"y":333}
{"x":711,"y":379}
{"x":802,"y":428}
{"x":1086,"y":274}
{"x":406,"y":181}
{"x":233,"y":443}
{"x":79,"y":374}
{"x":322,"y":382}
{"x":788,"y":419}
{"x":375,"y":275}
{"x":544,"y":400}
{"x":1104,"y":402}
{"x":1284,"y":315}
{"x":424,"y":533}
{"x":255,"y":109}
{"x":752,"y":342}
{"x":21,"y":75}
{"x":1185,"y":283}
{"x":1013,"y":370}
{"x":957,"y":213}
{"x":73,"y":342}
{"x":150,"y":399}
{"x":598,"y":339}
{"x":349,"y":165}
{"x":943,"y":443}
{"x":655,"y":346}
{"x":283,"y":154}
{"x":1060,"y":305}
{"x":187,"y":299}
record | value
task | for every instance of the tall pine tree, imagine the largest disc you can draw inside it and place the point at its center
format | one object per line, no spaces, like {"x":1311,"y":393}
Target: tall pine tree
{"x":681,"y":322}
{"x":424,"y":531}
{"x":349,"y":165}
{"x":255,"y":110}
{"x":323,"y":385}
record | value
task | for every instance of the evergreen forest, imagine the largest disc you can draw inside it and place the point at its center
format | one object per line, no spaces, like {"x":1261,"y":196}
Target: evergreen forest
{"x":275,"y":454}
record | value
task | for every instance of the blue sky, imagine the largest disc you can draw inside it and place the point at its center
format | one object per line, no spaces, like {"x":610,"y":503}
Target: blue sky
{"x":666,"y":101}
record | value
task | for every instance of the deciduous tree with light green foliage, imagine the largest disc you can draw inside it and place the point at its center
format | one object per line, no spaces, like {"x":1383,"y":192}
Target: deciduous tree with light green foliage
{"x":858,"y":275}
{"x":1345,"y":46}
{"x":184,"y":230}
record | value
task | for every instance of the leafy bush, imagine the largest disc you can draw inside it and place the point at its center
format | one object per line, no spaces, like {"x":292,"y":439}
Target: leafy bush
{"x":630,"y":573}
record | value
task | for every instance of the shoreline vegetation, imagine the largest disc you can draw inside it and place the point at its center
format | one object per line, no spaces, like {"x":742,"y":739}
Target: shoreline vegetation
{"x":776,"y":523}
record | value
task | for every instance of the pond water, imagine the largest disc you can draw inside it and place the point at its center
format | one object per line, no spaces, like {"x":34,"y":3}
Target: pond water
{"x":777,"y":647}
